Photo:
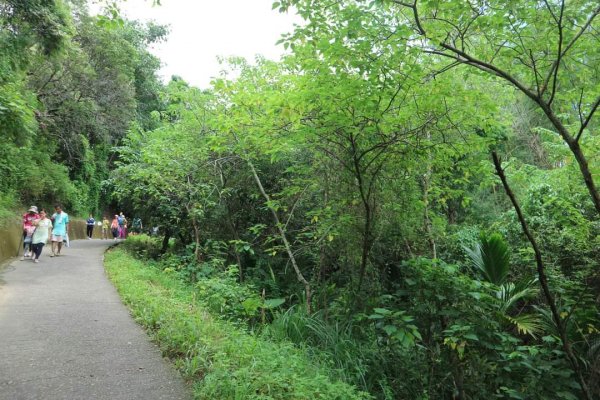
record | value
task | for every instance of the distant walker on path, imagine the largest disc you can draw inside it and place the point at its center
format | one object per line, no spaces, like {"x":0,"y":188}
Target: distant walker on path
{"x":136,"y":226}
{"x":105,"y":227}
{"x":122,"y":226}
{"x":61,"y":227}
{"x":114,"y":227}
{"x":90,"y":226}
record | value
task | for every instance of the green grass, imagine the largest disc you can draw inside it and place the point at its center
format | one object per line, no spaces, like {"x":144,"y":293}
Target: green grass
{"x":220,"y":360}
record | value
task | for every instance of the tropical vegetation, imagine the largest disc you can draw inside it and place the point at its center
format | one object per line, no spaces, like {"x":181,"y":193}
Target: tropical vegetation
{"x":407,"y":202}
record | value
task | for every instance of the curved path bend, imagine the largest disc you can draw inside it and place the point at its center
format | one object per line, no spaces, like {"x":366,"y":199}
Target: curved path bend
{"x":64,"y":334}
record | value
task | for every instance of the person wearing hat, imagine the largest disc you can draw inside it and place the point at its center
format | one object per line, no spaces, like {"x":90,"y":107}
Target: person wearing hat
{"x":28,"y":228}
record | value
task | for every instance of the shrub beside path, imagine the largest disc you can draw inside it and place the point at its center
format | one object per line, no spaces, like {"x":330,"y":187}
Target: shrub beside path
{"x":64,"y":334}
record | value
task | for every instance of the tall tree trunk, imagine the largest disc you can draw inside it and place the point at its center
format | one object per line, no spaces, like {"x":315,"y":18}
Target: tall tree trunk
{"x":365,"y":196}
{"x":458,"y":374}
{"x":283,"y":238}
{"x":231,"y":226}
{"x":560,"y":326}
{"x":236,"y":236}
{"x":426,"y":184}
{"x":428,"y":227}
{"x":575,"y":147}
{"x":197,"y":248}
{"x":165,"y":241}
{"x":322,"y":247}
{"x":366,"y":247}
{"x":236,"y":253}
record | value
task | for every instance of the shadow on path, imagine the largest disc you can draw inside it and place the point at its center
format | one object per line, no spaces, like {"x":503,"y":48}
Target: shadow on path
{"x":64,"y":334}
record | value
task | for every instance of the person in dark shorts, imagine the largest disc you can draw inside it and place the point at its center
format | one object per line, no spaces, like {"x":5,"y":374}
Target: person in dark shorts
{"x":114,"y":227}
{"x":43,"y":228}
{"x":89,"y":224}
{"x":136,"y":226}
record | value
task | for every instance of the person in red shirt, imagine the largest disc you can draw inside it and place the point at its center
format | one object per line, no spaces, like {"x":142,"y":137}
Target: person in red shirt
{"x":28,"y":228}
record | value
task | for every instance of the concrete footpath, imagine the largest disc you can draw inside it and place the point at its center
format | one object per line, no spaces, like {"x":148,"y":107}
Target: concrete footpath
{"x":64,"y":334}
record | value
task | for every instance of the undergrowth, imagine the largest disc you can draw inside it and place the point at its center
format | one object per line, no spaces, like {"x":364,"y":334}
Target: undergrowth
{"x":220,"y":360}
{"x":8,"y":207}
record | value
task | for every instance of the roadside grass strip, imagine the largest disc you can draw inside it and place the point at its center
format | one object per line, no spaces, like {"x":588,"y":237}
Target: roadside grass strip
{"x":220,"y":360}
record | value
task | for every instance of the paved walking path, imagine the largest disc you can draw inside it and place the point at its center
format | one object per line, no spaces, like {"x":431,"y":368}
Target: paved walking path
{"x":64,"y":334}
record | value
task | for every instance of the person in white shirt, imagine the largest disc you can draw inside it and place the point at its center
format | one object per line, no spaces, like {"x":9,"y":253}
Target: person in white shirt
{"x":43,"y":227}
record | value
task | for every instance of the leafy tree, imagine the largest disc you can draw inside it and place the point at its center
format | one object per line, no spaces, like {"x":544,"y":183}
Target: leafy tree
{"x":502,"y":39}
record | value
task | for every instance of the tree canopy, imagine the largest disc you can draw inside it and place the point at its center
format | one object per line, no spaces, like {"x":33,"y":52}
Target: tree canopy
{"x":410,"y":194}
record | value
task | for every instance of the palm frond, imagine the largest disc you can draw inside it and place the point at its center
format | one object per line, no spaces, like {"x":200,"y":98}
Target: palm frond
{"x":527,"y":324}
{"x":491,"y":257}
{"x":510,"y":293}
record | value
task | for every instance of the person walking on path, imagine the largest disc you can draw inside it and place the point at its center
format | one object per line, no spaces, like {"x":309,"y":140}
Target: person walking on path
{"x":28,"y":218}
{"x":90,"y":226}
{"x":105,"y":227}
{"x":66,"y":335}
{"x":43,"y":227}
{"x":27,"y":249}
{"x":136,"y":226}
{"x":122,"y":225}
{"x":114,"y":227}
{"x":61,"y":227}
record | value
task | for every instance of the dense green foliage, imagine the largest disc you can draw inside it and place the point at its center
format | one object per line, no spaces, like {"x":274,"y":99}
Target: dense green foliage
{"x":353,"y":180}
{"x":222,"y":362}
{"x":71,"y":86}
{"x":344,"y":198}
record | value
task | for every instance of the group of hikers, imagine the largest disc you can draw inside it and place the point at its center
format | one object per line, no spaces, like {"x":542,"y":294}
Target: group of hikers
{"x":118,"y":227}
{"x":38,"y":228}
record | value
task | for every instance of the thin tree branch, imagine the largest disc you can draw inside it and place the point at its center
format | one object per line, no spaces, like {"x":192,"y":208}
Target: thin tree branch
{"x":559,"y":52}
{"x":588,"y":119}
{"x":543,"y":278}
{"x":562,"y":54}
{"x":291,"y":213}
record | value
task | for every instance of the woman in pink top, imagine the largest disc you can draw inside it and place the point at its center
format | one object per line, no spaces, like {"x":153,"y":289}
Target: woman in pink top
{"x":114,"y":227}
{"x":28,"y":228}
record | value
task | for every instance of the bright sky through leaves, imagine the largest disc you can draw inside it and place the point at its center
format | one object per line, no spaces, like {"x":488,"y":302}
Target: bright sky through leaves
{"x":202,"y":30}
